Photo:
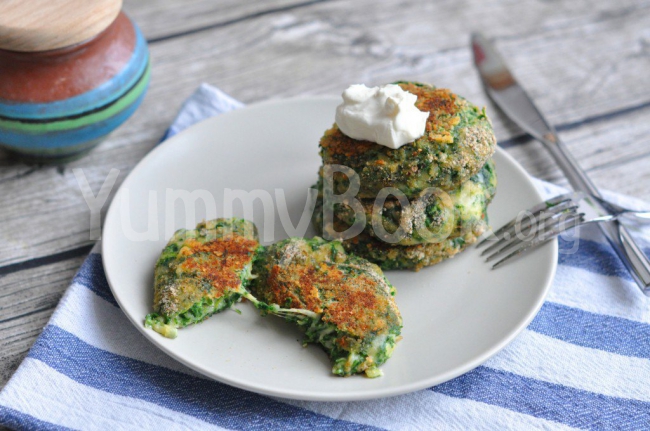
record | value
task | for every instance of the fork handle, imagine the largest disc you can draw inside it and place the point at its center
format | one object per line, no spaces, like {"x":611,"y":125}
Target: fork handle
{"x":618,"y":236}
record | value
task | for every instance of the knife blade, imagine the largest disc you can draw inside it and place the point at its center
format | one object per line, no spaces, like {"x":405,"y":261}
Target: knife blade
{"x":512,"y":99}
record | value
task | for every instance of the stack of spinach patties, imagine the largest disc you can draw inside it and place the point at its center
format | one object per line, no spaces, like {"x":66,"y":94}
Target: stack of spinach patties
{"x":423,"y":202}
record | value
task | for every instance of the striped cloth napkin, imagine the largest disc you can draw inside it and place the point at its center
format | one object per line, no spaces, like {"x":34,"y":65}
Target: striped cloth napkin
{"x":584,"y":362}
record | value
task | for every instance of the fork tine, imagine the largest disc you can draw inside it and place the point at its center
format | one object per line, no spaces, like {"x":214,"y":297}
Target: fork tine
{"x":541,"y":216}
{"x":547,"y":213}
{"x":549,"y":205}
{"x":547,"y":225}
{"x":516,"y":241}
{"x":574,"y":196}
{"x":548,"y":232}
{"x":550,"y":225}
{"x":542,"y":238}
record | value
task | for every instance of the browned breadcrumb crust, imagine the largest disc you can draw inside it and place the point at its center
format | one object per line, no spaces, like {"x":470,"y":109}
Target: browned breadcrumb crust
{"x":204,"y":270}
{"x":348,"y":300}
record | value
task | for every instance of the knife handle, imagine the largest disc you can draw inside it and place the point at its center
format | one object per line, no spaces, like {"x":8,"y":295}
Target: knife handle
{"x":618,"y":236}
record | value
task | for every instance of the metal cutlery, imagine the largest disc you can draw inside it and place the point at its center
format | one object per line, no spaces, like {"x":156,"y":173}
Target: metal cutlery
{"x":504,"y":90}
{"x":545,"y":221}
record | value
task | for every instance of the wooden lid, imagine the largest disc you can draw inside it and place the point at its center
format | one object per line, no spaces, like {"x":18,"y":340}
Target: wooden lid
{"x":42,"y":25}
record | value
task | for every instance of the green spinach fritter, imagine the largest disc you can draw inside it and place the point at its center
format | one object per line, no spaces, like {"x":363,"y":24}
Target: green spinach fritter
{"x":414,"y":257}
{"x":430,"y":217}
{"x":201,"y":272}
{"x":350,"y":307}
{"x":456,"y":144}
{"x":390,"y":256}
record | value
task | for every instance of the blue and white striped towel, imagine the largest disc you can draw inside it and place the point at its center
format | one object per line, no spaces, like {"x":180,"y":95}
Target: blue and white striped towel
{"x":584,"y":362}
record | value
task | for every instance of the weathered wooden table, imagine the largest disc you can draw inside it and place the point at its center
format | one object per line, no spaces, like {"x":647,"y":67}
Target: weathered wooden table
{"x":585,"y":62}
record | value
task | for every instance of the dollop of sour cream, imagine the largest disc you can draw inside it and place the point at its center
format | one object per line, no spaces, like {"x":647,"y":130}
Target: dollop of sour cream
{"x":386,"y":115}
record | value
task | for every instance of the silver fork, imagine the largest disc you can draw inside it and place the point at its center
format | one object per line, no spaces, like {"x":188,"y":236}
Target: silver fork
{"x":549,"y":219}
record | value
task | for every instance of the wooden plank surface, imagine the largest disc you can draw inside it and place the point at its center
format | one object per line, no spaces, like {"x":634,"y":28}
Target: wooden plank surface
{"x":27,"y":299}
{"x":584,"y":62}
{"x":307,"y":51}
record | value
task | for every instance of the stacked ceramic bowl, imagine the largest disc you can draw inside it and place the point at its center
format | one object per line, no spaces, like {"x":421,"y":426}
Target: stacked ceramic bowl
{"x":416,"y":205}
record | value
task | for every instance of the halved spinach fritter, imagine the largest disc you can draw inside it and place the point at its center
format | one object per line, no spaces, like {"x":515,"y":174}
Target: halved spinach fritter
{"x":457,"y":142}
{"x":201,"y":272}
{"x":430,"y":217}
{"x":350,"y":307}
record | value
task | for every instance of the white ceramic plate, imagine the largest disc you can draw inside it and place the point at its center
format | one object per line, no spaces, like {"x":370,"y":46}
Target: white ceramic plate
{"x":456,"y":314}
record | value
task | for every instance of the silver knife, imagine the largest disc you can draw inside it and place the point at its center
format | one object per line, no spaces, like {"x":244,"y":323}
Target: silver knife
{"x":504,"y":90}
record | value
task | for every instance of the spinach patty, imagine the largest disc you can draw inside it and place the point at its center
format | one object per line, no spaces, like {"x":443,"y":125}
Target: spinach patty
{"x":456,"y":144}
{"x":201,"y":272}
{"x":350,"y":307}
{"x":430,"y":217}
{"x":415,"y":257}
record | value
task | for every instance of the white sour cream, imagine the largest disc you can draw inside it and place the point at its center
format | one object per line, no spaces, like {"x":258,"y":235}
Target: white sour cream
{"x":386,"y":115}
